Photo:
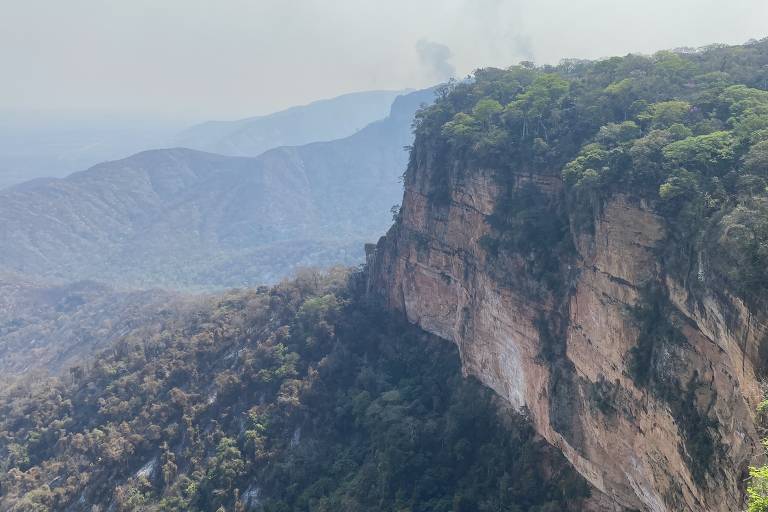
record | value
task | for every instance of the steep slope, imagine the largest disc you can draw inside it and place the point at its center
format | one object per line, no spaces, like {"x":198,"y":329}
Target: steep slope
{"x":322,"y":120}
{"x":181,"y":218}
{"x":592,"y":237}
{"x":300,"y":397}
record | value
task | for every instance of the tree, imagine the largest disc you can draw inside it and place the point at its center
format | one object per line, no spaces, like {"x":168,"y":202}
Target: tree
{"x":617,"y":133}
{"x":681,"y":184}
{"x":756,"y":161}
{"x":666,"y":113}
{"x":747,"y":109}
{"x":713,"y":153}
{"x":672,"y":67}
{"x":757,"y":490}
{"x":621,"y":95}
{"x":486,"y":110}
{"x":590,"y":161}
{"x":536,"y":104}
{"x":228,"y":466}
{"x":461,"y":130}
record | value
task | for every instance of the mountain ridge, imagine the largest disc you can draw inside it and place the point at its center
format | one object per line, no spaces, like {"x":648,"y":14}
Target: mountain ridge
{"x":184,"y":218}
{"x":317,"y":121}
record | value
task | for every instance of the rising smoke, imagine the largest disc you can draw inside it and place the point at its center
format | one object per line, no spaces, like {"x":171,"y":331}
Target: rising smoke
{"x":434,"y":58}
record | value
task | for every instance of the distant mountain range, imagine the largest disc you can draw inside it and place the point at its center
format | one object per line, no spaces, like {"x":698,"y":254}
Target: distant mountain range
{"x":55,"y":144}
{"x":186,"y":219}
{"x":322,"y":120}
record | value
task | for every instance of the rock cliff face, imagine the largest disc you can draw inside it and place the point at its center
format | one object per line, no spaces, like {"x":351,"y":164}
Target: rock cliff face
{"x":669,"y":431}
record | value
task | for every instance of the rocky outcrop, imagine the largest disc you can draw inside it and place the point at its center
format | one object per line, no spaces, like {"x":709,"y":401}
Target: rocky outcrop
{"x":655,"y":423}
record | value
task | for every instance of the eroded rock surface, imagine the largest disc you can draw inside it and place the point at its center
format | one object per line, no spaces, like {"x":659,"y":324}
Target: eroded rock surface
{"x":671,"y":432}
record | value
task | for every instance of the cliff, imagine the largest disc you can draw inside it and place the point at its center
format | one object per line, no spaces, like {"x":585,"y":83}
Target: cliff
{"x":646,"y":381}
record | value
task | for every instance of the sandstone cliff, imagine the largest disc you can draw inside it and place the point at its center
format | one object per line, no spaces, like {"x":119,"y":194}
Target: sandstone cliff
{"x":679,"y":439}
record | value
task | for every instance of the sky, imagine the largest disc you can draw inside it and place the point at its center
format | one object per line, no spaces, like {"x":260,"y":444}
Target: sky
{"x":227,"y":59}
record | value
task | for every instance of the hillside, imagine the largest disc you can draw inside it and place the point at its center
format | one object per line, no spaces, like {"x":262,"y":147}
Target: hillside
{"x":299,"y":397}
{"x":179,"y":218}
{"x":47,"y":329}
{"x":323,"y":120}
{"x":594,"y":238}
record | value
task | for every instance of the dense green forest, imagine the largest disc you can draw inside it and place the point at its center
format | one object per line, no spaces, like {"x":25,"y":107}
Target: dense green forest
{"x":301,"y":397}
{"x":687,"y":131}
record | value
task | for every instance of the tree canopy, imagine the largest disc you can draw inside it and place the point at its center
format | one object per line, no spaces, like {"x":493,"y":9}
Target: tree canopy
{"x":687,"y":132}
{"x":302,"y":397}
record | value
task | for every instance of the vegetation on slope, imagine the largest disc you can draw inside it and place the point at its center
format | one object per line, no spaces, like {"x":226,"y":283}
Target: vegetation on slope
{"x":300,"y":397}
{"x":757,"y":491}
{"x":47,"y":329}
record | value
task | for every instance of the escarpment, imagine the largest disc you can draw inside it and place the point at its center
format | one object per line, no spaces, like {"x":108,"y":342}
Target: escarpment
{"x":646,"y":377}
{"x":680,"y":440}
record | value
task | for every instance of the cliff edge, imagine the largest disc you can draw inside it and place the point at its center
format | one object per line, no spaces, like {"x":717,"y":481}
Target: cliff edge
{"x":645,"y":376}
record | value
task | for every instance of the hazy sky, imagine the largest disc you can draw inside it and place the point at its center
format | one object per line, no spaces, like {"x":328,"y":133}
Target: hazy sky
{"x":234,"y":58}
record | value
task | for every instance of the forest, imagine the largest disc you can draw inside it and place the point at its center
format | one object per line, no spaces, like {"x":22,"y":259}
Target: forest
{"x":304,"y":396}
{"x":685,"y":130}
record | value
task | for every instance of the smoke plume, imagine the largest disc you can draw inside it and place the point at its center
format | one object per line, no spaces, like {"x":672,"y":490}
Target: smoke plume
{"x":434,"y":58}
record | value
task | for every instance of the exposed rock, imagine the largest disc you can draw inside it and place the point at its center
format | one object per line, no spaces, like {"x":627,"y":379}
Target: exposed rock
{"x":680,"y":440}
{"x":147,"y":469}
